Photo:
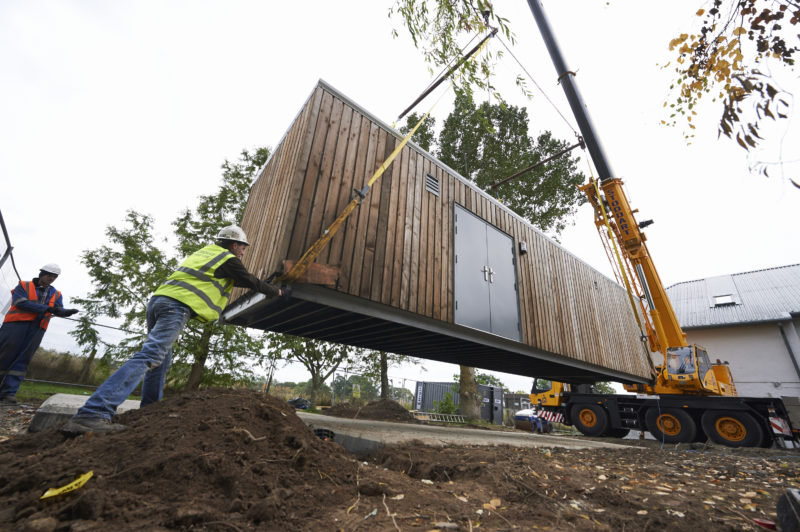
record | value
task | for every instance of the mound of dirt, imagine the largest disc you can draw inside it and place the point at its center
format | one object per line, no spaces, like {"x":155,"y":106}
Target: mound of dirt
{"x":196,"y":458}
{"x":223,"y":460}
{"x":381,"y":410}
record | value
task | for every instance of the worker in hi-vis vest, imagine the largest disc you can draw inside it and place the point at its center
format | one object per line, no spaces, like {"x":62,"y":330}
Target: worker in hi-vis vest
{"x":198,"y":289}
{"x":32,"y":304}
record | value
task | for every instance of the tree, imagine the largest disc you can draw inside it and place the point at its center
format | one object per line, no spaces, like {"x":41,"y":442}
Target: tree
{"x":604,"y":388}
{"x":469,"y":400}
{"x":484,"y":379}
{"x":132,"y":264}
{"x":734,"y":55}
{"x":344,"y":387}
{"x":425,"y":137}
{"x":376,"y":364}
{"x":489,"y":142}
{"x":321,"y":359}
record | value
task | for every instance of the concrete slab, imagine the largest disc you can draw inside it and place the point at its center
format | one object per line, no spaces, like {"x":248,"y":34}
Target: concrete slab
{"x":58,"y":408}
{"x":359,"y":436}
{"x":362,"y":436}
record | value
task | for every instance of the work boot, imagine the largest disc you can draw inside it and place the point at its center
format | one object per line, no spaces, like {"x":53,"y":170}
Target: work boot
{"x":85,"y":425}
{"x":8,"y":400}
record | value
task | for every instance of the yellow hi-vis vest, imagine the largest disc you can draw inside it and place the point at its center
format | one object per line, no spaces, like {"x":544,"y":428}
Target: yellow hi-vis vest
{"x":194,"y":284}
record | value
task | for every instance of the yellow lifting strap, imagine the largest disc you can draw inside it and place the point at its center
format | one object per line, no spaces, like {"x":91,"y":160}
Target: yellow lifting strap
{"x":311,"y":253}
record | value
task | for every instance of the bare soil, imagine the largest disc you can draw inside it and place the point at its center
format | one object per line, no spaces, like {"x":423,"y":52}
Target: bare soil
{"x":222,"y":460}
{"x":381,"y":410}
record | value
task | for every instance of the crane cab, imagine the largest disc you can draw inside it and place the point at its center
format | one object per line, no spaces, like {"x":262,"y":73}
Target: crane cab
{"x":689,"y":370}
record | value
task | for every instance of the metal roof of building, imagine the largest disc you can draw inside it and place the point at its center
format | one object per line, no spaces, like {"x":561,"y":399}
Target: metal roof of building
{"x":750,"y":297}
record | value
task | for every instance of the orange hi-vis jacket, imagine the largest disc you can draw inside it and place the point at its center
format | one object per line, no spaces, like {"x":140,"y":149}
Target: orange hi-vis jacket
{"x":16,"y":314}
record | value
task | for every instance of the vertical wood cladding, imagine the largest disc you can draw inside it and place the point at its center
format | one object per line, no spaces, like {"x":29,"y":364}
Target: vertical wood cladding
{"x":397,"y":247}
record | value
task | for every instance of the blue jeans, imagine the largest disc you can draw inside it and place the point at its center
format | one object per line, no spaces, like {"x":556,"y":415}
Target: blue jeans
{"x":166,"y":318}
{"x":19,"y":341}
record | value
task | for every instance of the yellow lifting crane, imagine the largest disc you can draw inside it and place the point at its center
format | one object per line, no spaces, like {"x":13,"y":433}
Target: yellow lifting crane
{"x":689,"y":398}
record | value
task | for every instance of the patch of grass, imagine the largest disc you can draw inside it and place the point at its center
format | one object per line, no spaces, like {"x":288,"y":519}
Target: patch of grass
{"x":39,"y":391}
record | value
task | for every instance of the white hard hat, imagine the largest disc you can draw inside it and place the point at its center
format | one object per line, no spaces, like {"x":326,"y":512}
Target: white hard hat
{"x":233,"y":232}
{"x":51,"y":268}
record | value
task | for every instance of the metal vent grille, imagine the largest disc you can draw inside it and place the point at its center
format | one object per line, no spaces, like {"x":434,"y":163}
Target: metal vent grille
{"x":432,"y":184}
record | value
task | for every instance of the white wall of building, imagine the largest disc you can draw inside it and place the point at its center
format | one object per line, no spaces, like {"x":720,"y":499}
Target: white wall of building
{"x":759,"y":359}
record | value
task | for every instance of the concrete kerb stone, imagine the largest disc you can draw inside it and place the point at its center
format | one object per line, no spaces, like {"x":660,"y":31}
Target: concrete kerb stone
{"x":58,"y":408}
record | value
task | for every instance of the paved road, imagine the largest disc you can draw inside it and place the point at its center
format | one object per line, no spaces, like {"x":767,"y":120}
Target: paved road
{"x":363,"y":435}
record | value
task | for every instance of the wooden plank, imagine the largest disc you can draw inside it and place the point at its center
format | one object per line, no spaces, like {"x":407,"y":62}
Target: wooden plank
{"x":433,"y":241}
{"x":321,"y":274}
{"x":360,"y":245}
{"x":350,"y":248}
{"x":335,"y":179}
{"x":346,"y":189}
{"x":422,"y":286}
{"x":370,"y":240}
{"x":324,"y":178}
{"x":523,"y":285}
{"x":400,"y":227}
{"x":392,"y":235}
{"x":294,"y":172}
{"x":439,"y":261}
{"x":413,"y":290}
{"x":408,"y":234}
{"x":379,"y":265}
{"x":298,"y":241}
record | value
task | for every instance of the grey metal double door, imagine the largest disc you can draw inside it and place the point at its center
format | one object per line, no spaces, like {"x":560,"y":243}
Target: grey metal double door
{"x":485,"y":287}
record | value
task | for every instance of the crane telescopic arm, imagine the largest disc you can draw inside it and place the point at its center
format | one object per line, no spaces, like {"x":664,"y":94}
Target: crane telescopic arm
{"x":666,"y":329}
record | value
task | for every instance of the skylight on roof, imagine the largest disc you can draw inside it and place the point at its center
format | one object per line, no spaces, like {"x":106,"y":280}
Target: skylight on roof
{"x":727,"y":299}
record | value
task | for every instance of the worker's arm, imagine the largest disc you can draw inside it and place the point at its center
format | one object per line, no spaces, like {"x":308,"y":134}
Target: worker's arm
{"x":19,"y":298}
{"x":234,"y":269}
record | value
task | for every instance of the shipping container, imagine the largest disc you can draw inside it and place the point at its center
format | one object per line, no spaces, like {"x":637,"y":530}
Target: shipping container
{"x":428,"y":265}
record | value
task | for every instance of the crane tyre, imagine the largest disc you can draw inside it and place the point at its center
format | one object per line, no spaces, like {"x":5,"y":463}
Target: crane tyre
{"x":733,"y":429}
{"x":591,"y":420}
{"x":671,"y":425}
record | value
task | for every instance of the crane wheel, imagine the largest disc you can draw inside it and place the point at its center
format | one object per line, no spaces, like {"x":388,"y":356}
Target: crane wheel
{"x":591,"y":420}
{"x":733,"y":429}
{"x":671,"y":425}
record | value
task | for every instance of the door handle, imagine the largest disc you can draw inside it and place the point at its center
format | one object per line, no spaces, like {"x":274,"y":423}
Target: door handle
{"x":491,"y":275}
{"x":486,"y":273}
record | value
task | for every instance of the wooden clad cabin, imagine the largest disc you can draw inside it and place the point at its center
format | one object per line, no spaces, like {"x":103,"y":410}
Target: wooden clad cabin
{"x":428,"y":265}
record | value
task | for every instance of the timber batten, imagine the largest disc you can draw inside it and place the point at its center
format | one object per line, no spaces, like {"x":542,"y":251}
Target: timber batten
{"x":396,"y":289}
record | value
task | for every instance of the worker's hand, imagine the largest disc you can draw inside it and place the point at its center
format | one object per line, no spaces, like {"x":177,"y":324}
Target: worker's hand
{"x":62,"y":312}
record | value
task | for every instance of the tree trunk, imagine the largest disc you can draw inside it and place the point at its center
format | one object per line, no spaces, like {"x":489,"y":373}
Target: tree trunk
{"x":468,"y":398}
{"x":315,"y":382}
{"x":384,"y":376}
{"x":87,"y":366}
{"x":199,"y":364}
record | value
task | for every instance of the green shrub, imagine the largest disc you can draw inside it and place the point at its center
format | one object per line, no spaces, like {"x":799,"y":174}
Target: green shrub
{"x":446,"y":405}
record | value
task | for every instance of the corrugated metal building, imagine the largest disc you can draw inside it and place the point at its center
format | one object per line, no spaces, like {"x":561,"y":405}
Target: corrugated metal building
{"x":751,"y":320}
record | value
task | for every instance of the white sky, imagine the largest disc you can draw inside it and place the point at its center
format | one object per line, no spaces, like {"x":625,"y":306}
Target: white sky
{"x":109,"y":106}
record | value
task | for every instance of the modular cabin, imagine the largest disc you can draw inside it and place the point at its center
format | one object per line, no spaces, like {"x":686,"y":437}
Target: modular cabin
{"x":428,"y":265}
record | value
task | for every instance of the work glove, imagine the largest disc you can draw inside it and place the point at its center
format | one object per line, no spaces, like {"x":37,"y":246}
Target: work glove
{"x":62,"y":312}
{"x":286,"y":292}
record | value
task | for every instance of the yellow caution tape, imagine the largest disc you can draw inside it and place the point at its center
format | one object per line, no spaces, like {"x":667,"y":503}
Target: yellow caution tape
{"x":72,"y":486}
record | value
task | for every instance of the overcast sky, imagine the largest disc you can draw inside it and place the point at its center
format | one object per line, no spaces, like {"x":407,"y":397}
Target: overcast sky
{"x":110,"y":106}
